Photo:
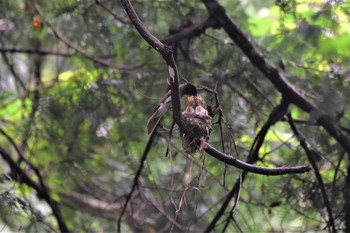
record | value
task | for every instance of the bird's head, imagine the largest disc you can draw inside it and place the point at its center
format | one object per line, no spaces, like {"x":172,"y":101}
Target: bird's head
{"x":199,"y":100}
{"x":188,"y":89}
{"x":190,"y":100}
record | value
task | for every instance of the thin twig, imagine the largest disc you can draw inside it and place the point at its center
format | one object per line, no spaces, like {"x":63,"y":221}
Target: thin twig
{"x":136,"y":179}
{"x":12,"y":70}
{"x":226,"y":202}
{"x":235,"y":204}
{"x":42,"y":52}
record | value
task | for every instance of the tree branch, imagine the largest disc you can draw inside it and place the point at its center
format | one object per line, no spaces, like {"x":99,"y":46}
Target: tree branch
{"x":11,"y":67}
{"x":190,"y":31}
{"x":253,"y":168}
{"x":276,"y":77}
{"x":167,"y":55}
{"x":36,"y":51}
{"x":277,"y":114}
{"x":136,"y":179}
{"x":41,"y":190}
{"x":234,"y":205}
{"x":226,"y":202}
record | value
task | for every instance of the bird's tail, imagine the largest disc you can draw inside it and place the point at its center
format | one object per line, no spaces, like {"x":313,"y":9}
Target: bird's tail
{"x":153,"y":122}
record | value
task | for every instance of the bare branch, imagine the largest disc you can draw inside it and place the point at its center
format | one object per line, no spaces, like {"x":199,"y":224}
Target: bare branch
{"x":277,"y":114}
{"x":253,"y":168}
{"x":136,"y":179}
{"x":36,"y":51}
{"x":235,"y":204}
{"x":190,"y":31}
{"x":166,"y":53}
{"x":12,"y":70}
{"x":226,"y":202}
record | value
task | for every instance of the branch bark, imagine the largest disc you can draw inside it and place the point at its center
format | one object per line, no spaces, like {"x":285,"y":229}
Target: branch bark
{"x":253,"y":168}
{"x":167,"y":55}
{"x":190,"y":31}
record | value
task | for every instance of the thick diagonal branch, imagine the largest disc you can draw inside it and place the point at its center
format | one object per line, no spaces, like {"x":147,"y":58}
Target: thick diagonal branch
{"x":277,"y":78}
{"x":167,"y":55}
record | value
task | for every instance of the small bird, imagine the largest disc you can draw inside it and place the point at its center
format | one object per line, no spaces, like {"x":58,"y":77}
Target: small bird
{"x":189,"y":109}
{"x":165,"y":104}
{"x":200,"y":110}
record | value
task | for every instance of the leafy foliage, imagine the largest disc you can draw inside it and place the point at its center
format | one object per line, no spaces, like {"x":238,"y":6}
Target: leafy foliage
{"x":76,"y":94}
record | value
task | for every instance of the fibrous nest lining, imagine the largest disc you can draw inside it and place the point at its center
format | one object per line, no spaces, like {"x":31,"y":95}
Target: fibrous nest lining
{"x":197,"y":130}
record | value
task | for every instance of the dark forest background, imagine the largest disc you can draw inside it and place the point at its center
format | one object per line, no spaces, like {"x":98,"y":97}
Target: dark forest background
{"x":78,"y":82}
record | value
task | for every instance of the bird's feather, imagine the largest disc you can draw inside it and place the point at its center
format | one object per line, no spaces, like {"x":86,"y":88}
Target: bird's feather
{"x":165,"y":104}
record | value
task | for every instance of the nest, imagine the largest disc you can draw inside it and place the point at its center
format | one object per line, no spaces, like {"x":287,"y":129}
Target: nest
{"x":196,"y":131}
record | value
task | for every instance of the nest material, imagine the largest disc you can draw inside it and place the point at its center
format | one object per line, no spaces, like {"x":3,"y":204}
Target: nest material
{"x":197,"y":129}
